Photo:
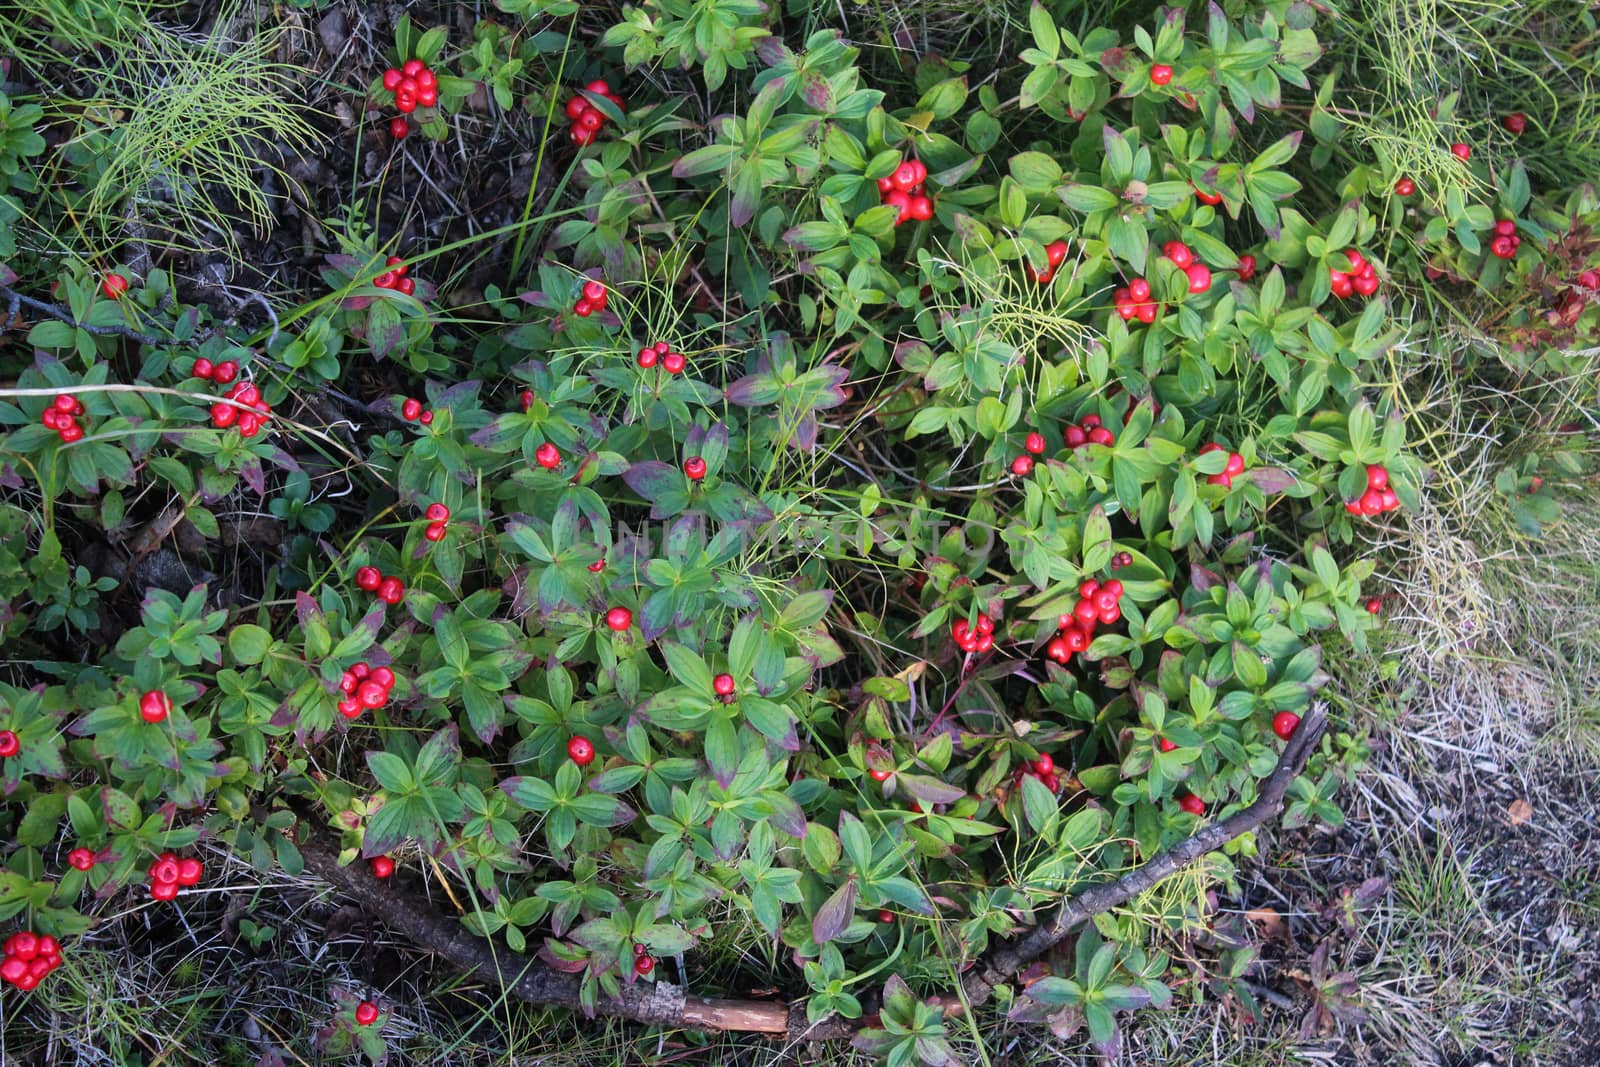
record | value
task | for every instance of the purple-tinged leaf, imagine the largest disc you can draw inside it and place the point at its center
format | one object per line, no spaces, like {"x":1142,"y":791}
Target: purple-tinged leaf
{"x":836,"y":913}
{"x":652,"y":479}
{"x":1272,"y":479}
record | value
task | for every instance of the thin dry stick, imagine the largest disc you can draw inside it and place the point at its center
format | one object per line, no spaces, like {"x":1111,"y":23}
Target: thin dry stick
{"x":662,"y":1003}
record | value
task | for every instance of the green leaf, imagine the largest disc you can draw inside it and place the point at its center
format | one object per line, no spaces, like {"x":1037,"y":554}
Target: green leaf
{"x":249,"y":644}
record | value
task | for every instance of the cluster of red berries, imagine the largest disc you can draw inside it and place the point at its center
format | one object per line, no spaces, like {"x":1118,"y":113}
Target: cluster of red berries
{"x":221,"y":373}
{"x":114,"y":285}
{"x":1099,"y":603}
{"x":1055,"y":253}
{"x":1089,"y":431}
{"x":1199,"y":274}
{"x":1044,"y":769}
{"x":437,"y":515}
{"x":1505,"y":242}
{"x":390,"y":590}
{"x":366,"y":1013}
{"x":1234,"y":466}
{"x":413,"y":85}
{"x":1378,"y":498}
{"x":593,"y":299}
{"x":694,"y":468}
{"x":28,"y":958}
{"x":248,"y":422}
{"x":618,"y":619}
{"x":587,"y":119}
{"x":411,"y":410}
{"x":62,"y":417}
{"x":723,"y":685}
{"x":662,"y":353}
{"x":168,"y":873}
{"x":154,"y":706}
{"x":1120,"y":560}
{"x":643,"y":962}
{"x":1360,"y":278}
{"x":973,"y":637}
{"x":81,"y":859}
{"x":903,"y":190}
{"x":580,"y":750}
{"x":382,"y":866}
{"x":395,"y":277}
{"x":1133,"y":302}
{"x":1285,"y":723}
{"x":364,"y":687}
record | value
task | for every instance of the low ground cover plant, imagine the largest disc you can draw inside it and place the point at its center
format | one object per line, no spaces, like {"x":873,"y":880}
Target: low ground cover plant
{"x":843,"y":523}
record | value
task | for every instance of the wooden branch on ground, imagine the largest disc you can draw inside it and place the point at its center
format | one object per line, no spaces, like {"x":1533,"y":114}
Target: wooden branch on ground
{"x":661,"y":1003}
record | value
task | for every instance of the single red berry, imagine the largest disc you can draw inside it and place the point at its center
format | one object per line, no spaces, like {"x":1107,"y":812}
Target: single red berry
{"x":694,"y":468}
{"x":1502,"y":248}
{"x":1515,"y":123}
{"x":391,"y":79}
{"x":391,"y":591}
{"x":426,"y":418}
{"x":383,"y":676}
{"x":114,"y":285}
{"x":723,"y":685}
{"x":580,"y":750}
{"x":1034,"y":442}
{"x":619,"y":619}
{"x":1404,"y":187}
{"x":189,"y":871}
{"x":595,"y":292}
{"x":1377,"y":477}
{"x":366,"y":1013}
{"x":1192,"y":804}
{"x":1167,"y":746}
{"x":1206,"y":197}
{"x":526,"y":398}
{"x":203,"y":368}
{"x":590,"y":120}
{"x":879,"y":775}
{"x":434,"y":531}
{"x":1181,"y":257}
{"x":648,"y":357}
{"x":644,"y":964}
{"x":673,"y":362}
{"x":548,"y":456}
{"x":165,"y":869}
{"x":371,"y":695}
{"x":368,"y":578}
{"x":427,"y":97}
{"x":1590,"y":279}
{"x":1044,"y":764}
{"x":398,"y":128}
{"x":1022,"y":466}
{"x":436,"y":513}
{"x":1285,"y":723}
{"x":406,"y":286}
{"x":10,"y":744}
{"x":600,"y":87}
{"x":1160,"y":74}
{"x":1374,"y":605}
{"x":154,"y":706}
{"x":597,"y":566}
{"x":81,"y":859}
{"x":164,"y":890}
{"x":576,"y":107}
{"x":14,"y":969}
{"x":412,"y":67}
{"x":1056,"y":253}
{"x":382,"y":866}
{"x":1199,"y":277}
{"x":1461,"y":151}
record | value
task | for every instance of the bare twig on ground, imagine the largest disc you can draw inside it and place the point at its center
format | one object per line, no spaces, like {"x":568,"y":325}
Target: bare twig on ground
{"x":664,"y":1004}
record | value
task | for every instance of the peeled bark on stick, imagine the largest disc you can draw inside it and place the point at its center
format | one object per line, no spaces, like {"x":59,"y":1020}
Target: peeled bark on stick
{"x":661,"y":1003}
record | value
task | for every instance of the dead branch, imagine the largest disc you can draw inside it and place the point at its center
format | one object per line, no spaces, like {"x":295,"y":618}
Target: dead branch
{"x":662,"y":1003}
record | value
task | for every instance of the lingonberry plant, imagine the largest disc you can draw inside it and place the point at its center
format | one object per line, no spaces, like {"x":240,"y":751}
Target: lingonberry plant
{"x":873,"y":518}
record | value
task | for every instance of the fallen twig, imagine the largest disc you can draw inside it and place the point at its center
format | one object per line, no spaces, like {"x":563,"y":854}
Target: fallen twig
{"x":662,"y":1003}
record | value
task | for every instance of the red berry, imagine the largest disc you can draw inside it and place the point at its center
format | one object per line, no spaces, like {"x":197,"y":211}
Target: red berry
{"x":723,"y":685}
{"x":391,"y":590}
{"x":1057,"y":650}
{"x":434,"y":531}
{"x":581,"y":136}
{"x":885,"y":915}
{"x":114,"y":285}
{"x":648,"y":357}
{"x":203,"y":368}
{"x":580,"y":750}
{"x":595,"y":292}
{"x":1088,"y":588}
{"x":13,"y":969}
{"x":1404,"y":187}
{"x":1374,"y":605}
{"x":1207,"y":197}
{"x":350,"y":708}
{"x":583,"y":308}
{"x":426,"y":418}
{"x":1181,"y":257}
{"x":189,"y":871}
{"x":1034,"y":442}
{"x":1022,"y":466}
{"x":547,"y":456}
{"x":904,"y":177}
{"x":436,"y":512}
{"x":398,"y":128}
{"x":383,"y":676}
{"x":1160,"y":74}
{"x":1377,"y":477}
{"x":165,"y":870}
{"x":412,"y":67}
{"x":370,"y":694}
{"x":1192,"y":804}
{"x":599,"y":87}
{"x":1502,"y":247}
{"x":81,"y":859}
{"x":1056,"y":252}
{"x":919,"y":209}
{"x":1285,"y":723}
{"x":10,"y":744}
{"x":880,"y":775}
{"x":1199,"y":277}
{"x":577,"y":106}
{"x":673,"y":362}
{"x":366,"y":1013}
{"x":1101,"y":436}
{"x":1167,"y":746}
{"x":1138,"y":289}
{"x":1515,"y":123}
{"x":1044,"y":764}
{"x":591,"y":120}
{"x":644,"y":964}
{"x":368,"y":578}
{"x":154,"y":706}
{"x":597,"y":566}
{"x":1075,"y":437}
{"x":427,"y":97}
{"x":619,"y":619}
{"x":391,"y":79}
{"x":1461,"y":151}
{"x":225,"y":372}
{"x":695,"y":468}
{"x":382,"y":866}
{"x":164,"y":891}
{"x":1590,"y":279}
